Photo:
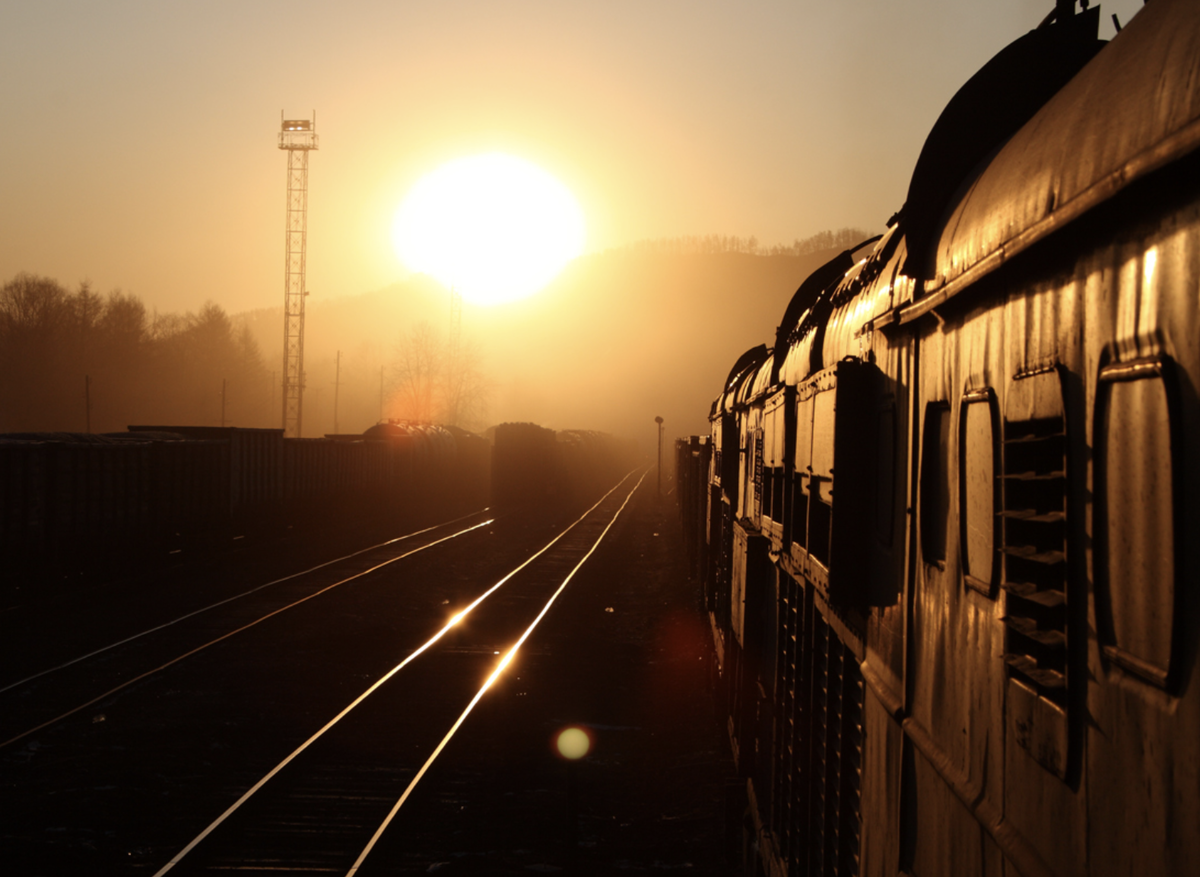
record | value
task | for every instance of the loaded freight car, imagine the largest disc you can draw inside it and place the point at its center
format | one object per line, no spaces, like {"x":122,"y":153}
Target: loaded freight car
{"x":524,"y":464}
{"x":532,"y":465}
{"x":81,"y":501}
{"x":68,"y":499}
{"x":947,"y":550}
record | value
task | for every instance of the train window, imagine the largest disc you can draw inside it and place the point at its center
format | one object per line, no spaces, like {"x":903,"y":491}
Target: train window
{"x":1136,"y":513}
{"x":820,"y":510}
{"x":730,"y":458}
{"x":935,"y":482}
{"x":802,"y":472}
{"x":777,"y":481}
{"x":977,"y":497}
{"x":777,"y":469}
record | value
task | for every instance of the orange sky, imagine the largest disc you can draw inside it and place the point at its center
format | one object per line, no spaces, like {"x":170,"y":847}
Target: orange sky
{"x":139,"y":145}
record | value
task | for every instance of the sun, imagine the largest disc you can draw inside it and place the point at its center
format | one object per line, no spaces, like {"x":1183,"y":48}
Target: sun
{"x":494,"y":227}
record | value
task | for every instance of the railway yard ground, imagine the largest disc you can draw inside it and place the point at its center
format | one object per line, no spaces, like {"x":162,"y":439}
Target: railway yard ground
{"x":126,"y":783}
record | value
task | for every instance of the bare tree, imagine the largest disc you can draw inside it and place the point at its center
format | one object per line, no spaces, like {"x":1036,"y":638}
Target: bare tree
{"x":465,"y":387}
{"x":416,"y":374}
{"x":434,"y":384}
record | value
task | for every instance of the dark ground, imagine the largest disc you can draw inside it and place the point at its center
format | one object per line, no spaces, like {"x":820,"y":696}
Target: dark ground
{"x":624,"y":652}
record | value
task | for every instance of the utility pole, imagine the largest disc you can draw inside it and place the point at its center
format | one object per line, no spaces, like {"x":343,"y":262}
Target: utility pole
{"x":222,"y":403}
{"x":659,"y":421}
{"x":337,"y":380}
{"x":87,"y":402}
{"x":298,"y":137}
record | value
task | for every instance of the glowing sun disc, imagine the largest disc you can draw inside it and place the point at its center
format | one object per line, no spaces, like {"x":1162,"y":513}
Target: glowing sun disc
{"x":494,"y":227}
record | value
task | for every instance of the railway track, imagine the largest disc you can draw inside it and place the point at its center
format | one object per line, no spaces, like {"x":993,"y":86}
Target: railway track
{"x":59,"y":691}
{"x":308,"y":791}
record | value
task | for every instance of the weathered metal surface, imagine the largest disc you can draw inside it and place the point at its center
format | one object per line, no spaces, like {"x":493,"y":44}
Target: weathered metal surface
{"x":1034,"y":481}
{"x":1134,"y":109}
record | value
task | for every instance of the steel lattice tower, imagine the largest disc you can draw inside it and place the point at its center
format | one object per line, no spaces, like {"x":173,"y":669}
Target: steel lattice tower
{"x":298,"y":137}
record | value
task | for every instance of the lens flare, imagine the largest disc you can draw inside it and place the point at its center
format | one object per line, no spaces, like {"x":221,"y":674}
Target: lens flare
{"x":573,"y":743}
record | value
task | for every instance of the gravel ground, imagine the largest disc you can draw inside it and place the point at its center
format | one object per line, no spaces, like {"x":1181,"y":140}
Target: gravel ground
{"x":626,"y":654}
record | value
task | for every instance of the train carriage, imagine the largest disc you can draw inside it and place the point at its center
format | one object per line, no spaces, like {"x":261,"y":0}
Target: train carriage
{"x":962,"y":618}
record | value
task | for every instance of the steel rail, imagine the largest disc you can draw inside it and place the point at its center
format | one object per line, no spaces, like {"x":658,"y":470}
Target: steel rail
{"x":253,"y":590}
{"x":454,"y":620}
{"x":236,"y":631}
{"x":500,"y":665}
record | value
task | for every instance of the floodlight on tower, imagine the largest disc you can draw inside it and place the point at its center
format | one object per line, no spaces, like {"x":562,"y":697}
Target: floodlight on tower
{"x":298,"y":137}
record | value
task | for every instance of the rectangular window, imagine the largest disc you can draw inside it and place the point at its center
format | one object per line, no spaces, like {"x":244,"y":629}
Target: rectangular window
{"x":977,"y":511}
{"x":802,"y":471}
{"x":820,"y":489}
{"x":935,"y":482}
{"x":1135,"y":517}
{"x":800,"y":510}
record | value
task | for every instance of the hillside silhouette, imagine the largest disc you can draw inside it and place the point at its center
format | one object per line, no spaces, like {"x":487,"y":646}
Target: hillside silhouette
{"x":618,"y":338}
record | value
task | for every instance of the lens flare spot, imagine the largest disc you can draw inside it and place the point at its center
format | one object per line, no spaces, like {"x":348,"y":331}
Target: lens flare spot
{"x":573,"y":743}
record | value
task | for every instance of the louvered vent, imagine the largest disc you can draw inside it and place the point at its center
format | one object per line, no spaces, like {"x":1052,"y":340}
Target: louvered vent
{"x":1035,"y":549}
{"x":758,"y":474}
{"x":818,"y":757}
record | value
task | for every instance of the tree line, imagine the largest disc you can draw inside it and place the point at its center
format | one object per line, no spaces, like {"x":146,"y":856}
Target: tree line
{"x":712,"y":244}
{"x":74,"y":360}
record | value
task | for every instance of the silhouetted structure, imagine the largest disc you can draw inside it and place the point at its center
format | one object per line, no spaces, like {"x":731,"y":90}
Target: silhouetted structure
{"x":298,"y":137}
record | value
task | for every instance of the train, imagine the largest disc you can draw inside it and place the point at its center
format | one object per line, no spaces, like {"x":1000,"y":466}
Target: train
{"x":946,"y":518}
{"x":538,"y":467}
{"x":74,"y":501}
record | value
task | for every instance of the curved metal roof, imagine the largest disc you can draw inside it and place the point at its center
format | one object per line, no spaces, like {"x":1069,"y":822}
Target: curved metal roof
{"x":761,"y":383}
{"x":745,"y":368}
{"x":1005,"y":94}
{"x":1134,"y":109}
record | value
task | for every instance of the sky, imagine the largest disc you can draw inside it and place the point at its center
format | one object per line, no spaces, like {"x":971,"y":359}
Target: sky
{"x":139,"y":146}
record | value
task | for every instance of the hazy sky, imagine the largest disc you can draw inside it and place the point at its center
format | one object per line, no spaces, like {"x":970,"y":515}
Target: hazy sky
{"x":139,"y":146}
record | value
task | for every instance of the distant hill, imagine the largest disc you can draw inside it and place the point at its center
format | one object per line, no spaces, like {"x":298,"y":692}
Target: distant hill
{"x":617,"y":339}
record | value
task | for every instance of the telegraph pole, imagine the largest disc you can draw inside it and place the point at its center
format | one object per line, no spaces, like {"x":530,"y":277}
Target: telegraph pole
{"x":337,"y":380}
{"x":659,"y":421}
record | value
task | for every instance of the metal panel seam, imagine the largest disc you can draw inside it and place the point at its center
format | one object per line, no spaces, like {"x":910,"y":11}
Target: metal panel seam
{"x":1015,"y":847}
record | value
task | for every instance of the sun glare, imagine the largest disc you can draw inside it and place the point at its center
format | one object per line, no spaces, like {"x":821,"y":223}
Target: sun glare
{"x":493,"y":227}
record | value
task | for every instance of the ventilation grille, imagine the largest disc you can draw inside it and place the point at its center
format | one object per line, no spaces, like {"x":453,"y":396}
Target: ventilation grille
{"x":1035,"y":549}
{"x":816,"y":801}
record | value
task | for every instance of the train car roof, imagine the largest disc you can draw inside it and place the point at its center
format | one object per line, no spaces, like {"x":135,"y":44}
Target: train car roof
{"x":761,"y":383}
{"x":746,"y":366}
{"x":1135,"y":108}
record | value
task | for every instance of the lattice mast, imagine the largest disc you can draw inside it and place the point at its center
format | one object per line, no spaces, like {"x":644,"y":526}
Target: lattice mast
{"x":298,"y":137}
